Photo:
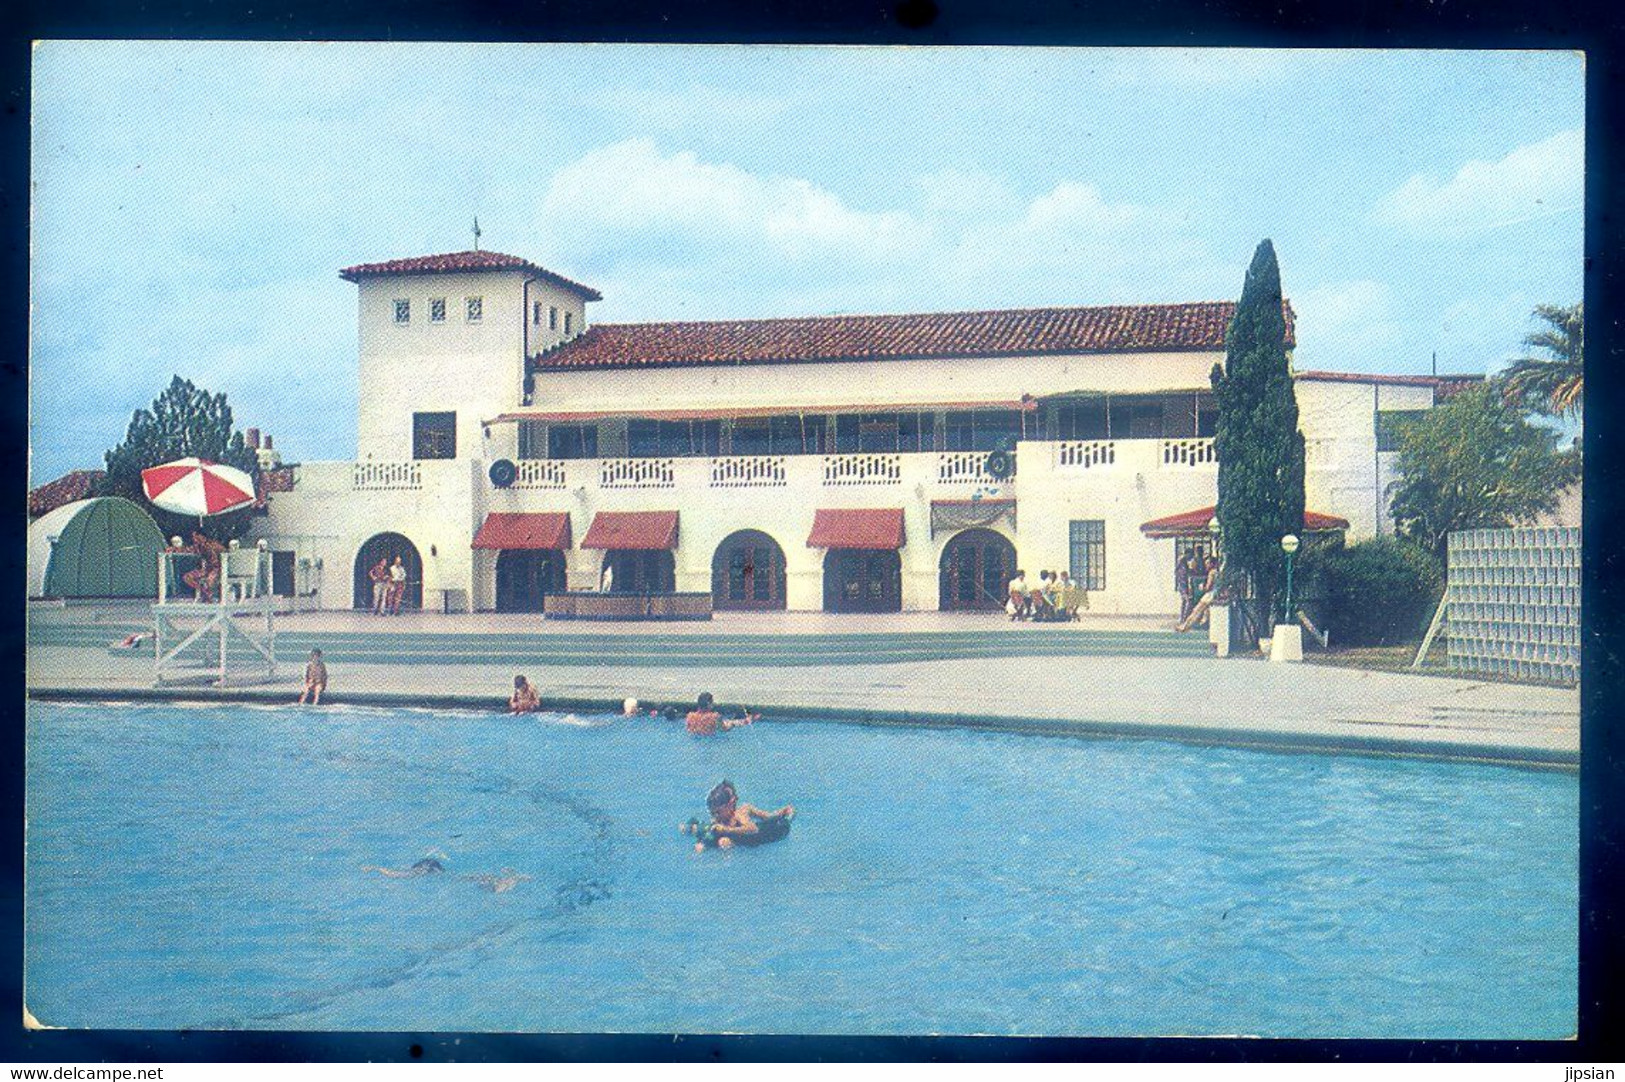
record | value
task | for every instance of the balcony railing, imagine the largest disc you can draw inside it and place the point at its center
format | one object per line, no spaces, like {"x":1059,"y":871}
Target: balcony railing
{"x":539,"y":473}
{"x":1188,"y":453}
{"x":748,"y":471}
{"x":1085,"y":454}
{"x":863,"y":469}
{"x":968,"y":468}
{"x":386,"y":476}
{"x":637,"y":473}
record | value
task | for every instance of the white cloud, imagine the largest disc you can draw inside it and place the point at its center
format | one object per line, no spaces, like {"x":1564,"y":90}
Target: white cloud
{"x":670,"y":235}
{"x":1533,"y":181}
{"x":631,"y":191}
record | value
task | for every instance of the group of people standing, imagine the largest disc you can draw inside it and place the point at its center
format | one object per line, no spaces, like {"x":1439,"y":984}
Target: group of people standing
{"x":388,"y":586}
{"x":1056,"y":597}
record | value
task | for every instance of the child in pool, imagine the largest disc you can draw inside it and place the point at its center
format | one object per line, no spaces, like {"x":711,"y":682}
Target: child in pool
{"x":731,"y":819}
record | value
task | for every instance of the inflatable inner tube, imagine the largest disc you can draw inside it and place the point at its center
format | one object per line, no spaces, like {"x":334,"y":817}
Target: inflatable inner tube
{"x":770,"y":829}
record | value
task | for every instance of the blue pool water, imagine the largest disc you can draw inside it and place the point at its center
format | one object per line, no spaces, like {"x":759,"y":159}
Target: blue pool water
{"x":202,"y":867}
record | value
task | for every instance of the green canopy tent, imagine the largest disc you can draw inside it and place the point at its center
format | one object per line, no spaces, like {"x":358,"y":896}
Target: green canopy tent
{"x":103,"y":547}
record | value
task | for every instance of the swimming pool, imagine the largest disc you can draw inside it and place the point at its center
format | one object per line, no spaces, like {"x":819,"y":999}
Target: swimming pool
{"x":202,"y":867}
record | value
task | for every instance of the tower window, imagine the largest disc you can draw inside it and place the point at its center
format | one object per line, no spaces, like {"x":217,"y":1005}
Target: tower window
{"x":567,"y":316}
{"x":434,"y":435}
{"x":475,"y":308}
{"x":536,"y":312}
{"x":403,"y":310}
{"x":437,"y":309}
{"x":552,"y":319}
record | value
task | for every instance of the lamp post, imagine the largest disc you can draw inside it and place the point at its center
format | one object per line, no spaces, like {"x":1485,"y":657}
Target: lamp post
{"x":1289,"y":545}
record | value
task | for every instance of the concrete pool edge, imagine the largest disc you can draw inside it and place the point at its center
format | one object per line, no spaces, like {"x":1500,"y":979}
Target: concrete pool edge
{"x":1257,"y":739}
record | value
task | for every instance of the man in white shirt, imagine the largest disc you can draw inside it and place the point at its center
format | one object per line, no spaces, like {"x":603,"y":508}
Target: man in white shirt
{"x":1020,"y":604}
{"x":609,"y":578}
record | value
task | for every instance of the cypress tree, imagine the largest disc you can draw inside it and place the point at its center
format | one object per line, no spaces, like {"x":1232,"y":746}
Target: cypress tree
{"x":1256,"y":438}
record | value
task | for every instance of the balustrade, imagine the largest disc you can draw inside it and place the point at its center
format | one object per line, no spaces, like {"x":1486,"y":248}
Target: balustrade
{"x":748,"y":471}
{"x":386,"y":476}
{"x":1188,"y":453}
{"x":637,"y":473}
{"x":1086,"y":454}
{"x":968,"y":467}
{"x":539,"y":473}
{"x":863,"y":469}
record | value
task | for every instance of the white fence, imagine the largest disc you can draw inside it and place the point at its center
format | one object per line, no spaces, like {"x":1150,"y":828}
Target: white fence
{"x":539,"y":473}
{"x":637,"y":473}
{"x":1189,"y":453}
{"x":386,"y":476}
{"x":1515,"y":602}
{"x":748,"y":471}
{"x":863,"y":469}
{"x":1085,"y":454}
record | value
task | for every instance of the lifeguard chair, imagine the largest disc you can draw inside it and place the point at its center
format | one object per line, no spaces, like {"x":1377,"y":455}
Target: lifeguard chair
{"x":195,"y":639}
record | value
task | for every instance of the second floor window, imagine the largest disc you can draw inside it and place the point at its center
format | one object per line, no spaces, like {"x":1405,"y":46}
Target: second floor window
{"x":567,"y":316}
{"x":475,"y":307}
{"x":536,"y":312}
{"x":403,"y":311}
{"x":572,"y":441}
{"x":434,"y":435}
{"x":437,"y":309}
{"x":552,"y":319}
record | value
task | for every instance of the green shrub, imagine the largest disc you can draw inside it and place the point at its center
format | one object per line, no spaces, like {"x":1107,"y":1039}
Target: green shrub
{"x":1376,"y":593}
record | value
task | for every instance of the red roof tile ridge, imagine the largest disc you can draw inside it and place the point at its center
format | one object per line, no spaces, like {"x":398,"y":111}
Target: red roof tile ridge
{"x":841,"y":316}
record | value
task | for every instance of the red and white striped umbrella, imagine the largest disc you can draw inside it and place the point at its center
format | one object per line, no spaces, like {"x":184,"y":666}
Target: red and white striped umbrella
{"x":196,"y":486}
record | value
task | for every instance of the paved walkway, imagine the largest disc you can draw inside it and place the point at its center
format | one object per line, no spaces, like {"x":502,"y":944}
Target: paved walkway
{"x":1104,"y":679}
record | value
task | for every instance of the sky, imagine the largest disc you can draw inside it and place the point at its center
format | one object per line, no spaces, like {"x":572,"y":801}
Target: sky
{"x":193,"y":202}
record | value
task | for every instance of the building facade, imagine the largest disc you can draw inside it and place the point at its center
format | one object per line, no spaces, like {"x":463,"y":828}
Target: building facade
{"x":507,"y":450}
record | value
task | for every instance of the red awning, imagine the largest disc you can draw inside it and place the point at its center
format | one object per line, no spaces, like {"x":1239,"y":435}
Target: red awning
{"x":632,"y":530}
{"x":1191,"y":523}
{"x":857,"y":528}
{"x":524,"y":530}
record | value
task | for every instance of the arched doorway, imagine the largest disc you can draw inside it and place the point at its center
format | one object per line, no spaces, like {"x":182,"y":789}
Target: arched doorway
{"x":747,"y":572}
{"x":975,"y":572}
{"x":387,"y":546}
{"x":526,"y":576}
{"x":863,"y":580}
{"x":641,"y":571}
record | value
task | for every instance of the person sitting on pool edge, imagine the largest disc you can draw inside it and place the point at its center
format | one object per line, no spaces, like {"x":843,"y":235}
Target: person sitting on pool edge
{"x":730,"y":818}
{"x":705,"y":719}
{"x":525,"y":698}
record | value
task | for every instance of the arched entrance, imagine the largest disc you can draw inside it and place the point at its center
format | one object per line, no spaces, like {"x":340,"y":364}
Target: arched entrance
{"x":975,"y":572}
{"x":641,"y":571}
{"x":526,"y":576}
{"x":863,"y":580}
{"x":387,"y":546}
{"x":747,"y":572}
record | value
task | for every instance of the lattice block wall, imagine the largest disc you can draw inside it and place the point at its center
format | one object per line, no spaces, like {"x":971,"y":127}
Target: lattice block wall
{"x":1515,"y":602}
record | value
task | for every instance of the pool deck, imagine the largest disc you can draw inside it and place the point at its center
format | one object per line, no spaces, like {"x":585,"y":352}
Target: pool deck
{"x":1107,"y":677}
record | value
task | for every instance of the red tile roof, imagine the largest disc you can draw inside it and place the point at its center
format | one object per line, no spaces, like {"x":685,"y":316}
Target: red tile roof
{"x":524,"y":530}
{"x":1007,"y":333}
{"x":76,"y":485}
{"x":632,"y":530}
{"x":1187,"y":523}
{"x":857,"y":528}
{"x":453,"y":262}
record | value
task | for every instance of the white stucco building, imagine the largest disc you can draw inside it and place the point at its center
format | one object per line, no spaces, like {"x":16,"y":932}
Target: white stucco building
{"x":508,"y":450}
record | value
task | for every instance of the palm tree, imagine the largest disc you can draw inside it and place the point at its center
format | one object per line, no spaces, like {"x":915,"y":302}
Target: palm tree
{"x":1554,"y":384}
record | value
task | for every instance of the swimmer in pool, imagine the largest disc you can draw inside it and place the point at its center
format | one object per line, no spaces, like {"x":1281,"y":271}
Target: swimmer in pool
{"x":500,"y":883}
{"x":426,"y":866}
{"x":730,"y":818}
